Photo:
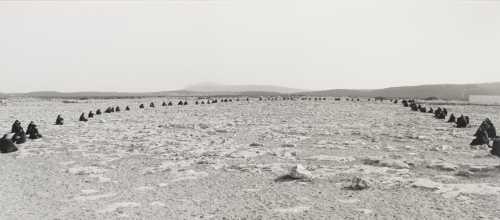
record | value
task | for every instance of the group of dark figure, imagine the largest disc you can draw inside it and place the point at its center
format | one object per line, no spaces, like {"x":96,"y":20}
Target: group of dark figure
{"x":18,"y":136}
{"x":59,"y":120}
{"x":439,"y":113}
{"x":485,"y":134}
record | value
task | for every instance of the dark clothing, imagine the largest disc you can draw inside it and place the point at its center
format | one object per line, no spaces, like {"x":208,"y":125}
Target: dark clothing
{"x":30,"y":128}
{"x":59,"y":120}
{"x":16,"y":127}
{"x":452,"y":119}
{"x":496,"y":147}
{"x":7,"y":146}
{"x":82,"y":118}
{"x":33,"y":133}
{"x":484,"y":133}
{"x":19,"y":137}
{"x":461,"y":122}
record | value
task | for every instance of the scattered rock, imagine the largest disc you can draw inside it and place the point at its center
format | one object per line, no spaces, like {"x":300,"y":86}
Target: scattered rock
{"x":299,"y":172}
{"x":464,"y":173}
{"x":397,"y":164}
{"x":256,"y":145}
{"x":331,"y":158}
{"x":203,"y":126}
{"x":482,"y":168}
{"x":441,"y":148}
{"x":454,"y":190}
{"x":86,"y":170}
{"x":373,"y":161}
{"x":221,"y":131}
{"x":93,"y":197}
{"x":297,"y":209}
{"x":119,"y":205}
{"x":288,"y":145}
{"x":158,"y":204}
{"x":444,"y":166}
{"x":358,"y":183}
{"x":426,"y":184}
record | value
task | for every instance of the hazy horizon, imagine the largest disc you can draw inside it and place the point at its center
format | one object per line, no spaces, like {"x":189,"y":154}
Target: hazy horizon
{"x":127,"y":46}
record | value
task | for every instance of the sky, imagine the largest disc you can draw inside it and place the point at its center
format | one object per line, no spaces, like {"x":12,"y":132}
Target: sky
{"x":140,"y":46}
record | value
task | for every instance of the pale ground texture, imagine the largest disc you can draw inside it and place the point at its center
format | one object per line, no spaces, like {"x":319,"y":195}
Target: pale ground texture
{"x":197,"y":162}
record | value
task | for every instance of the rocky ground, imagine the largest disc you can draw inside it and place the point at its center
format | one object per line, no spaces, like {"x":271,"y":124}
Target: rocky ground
{"x":240,"y":160}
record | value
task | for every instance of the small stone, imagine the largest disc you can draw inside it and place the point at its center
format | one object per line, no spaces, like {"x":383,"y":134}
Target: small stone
{"x":482,"y":168}
{"x":203,"y":126}
{"x":358,"y":184}
{"x":256,"y":145}
{"x":299,"y":172}
{"x":371,"y":161}
{"x":397,"y":164}
{"x":288,"y":145}
{"x":464,"y":173}
{"x":221,"y":131}
{"x":442,"y":166}
{"x":426,"y":184}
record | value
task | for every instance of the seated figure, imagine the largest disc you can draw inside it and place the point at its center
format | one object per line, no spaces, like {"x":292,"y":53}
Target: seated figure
{"x":452,"y":119}
{"x":33,"y":131}
{"x":16,"y":127}
{"x":59,"y":120}
{"x":6,"y":145}
{"x":484,"y":133}
{"x":461,"y":122}
{"x":19,"y":137}
{"x":82,"y":118}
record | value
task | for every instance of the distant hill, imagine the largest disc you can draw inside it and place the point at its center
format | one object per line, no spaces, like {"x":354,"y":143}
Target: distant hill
{"x":215,"y":87}
{"x":111,"y":95}
{"x":443,"y":91}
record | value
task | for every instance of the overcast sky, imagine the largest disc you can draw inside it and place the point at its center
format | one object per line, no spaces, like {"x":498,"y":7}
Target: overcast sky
{"x":308,"y":44}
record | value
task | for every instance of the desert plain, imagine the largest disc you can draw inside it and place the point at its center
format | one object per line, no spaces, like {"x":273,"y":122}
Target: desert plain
{"x":231,"y":161}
